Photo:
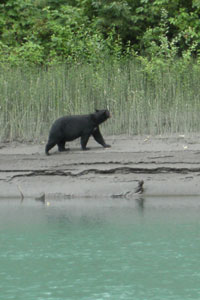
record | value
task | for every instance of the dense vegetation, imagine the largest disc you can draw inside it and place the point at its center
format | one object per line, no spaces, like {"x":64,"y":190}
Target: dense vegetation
{"x":49,"y":31}
{"x":140,"y":58}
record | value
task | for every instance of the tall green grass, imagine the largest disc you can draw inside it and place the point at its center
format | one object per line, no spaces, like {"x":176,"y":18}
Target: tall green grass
{"x":166,"y":101}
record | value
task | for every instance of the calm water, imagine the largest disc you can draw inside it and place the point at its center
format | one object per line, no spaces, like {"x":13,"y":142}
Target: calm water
{"x":89,"y":250}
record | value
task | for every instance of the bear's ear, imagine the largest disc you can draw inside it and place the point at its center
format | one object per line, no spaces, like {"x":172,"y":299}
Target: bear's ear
{"x":107,"y":113}
{"x":97,"y":110}
{"x":93,"y":117}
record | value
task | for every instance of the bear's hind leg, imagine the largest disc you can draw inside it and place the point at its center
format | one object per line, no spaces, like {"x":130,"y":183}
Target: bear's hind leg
{"x":61,"y":147}
{"x":48,"y":147}
{"x":84,"y":140}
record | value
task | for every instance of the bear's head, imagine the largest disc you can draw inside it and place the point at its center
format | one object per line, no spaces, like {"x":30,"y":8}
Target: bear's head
{"x":100,"y":116}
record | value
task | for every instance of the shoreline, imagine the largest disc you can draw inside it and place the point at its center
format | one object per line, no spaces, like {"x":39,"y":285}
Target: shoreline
{"x":169,"y":166}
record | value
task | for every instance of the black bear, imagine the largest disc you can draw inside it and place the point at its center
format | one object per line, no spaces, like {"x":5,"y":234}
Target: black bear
{"x":69,"y":128}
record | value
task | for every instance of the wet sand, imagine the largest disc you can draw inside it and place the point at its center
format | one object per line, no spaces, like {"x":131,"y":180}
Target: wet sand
{"x":168,"y":165}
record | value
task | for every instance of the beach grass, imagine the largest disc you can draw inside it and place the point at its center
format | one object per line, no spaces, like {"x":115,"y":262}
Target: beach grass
{"x":167,"y":101}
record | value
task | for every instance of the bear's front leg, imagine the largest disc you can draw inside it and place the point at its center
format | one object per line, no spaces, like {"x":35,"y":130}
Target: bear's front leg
{"x":99,"y":138}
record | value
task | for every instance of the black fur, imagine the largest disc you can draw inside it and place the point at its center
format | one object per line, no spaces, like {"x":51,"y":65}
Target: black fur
{"x":69,"y":128}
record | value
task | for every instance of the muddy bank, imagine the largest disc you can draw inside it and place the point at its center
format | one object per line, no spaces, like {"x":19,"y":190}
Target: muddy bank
{"x":168,"y":165}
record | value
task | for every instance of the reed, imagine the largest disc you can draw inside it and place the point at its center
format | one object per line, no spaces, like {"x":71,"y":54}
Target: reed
{"x":140,"y":103}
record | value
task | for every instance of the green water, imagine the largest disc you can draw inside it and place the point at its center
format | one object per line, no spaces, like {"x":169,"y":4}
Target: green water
{"x":81,"y":250}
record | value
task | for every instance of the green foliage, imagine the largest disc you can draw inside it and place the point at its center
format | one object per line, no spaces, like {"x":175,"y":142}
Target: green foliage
{"x":52,"y":31}
{"x":51,"y":35}
{"x":141,"y":58}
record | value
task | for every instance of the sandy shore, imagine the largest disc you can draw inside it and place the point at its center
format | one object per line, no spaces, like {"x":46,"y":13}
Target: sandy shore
{"x":169,"y":165}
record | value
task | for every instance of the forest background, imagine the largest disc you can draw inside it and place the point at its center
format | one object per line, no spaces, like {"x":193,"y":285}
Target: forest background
{"x":140,"y":58}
